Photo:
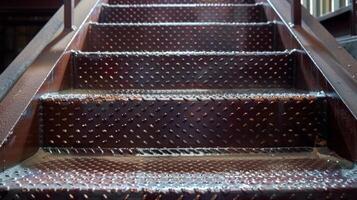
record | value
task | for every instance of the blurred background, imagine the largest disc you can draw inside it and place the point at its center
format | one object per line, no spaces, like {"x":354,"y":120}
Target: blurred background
{"x":20,"y":20}
{"x":322,"y":7}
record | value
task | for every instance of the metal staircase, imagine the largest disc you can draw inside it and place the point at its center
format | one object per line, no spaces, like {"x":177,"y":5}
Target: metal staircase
{"x":193,"y":99}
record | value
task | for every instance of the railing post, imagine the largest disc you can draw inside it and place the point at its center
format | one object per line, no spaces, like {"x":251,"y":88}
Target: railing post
{"x":354,"y":17}
{"x":68,"y":14}
{"x":295,"y":12}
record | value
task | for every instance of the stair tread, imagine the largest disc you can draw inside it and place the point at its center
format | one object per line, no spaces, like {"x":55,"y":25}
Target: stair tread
{"x":276,"y":93}
{"x":204,"y":151}
{"x":234,"y":173}
{"x":178,"y":24}
{"x":178,"y":1}
{"x":188,"y":53}
{"x":201,"y":4}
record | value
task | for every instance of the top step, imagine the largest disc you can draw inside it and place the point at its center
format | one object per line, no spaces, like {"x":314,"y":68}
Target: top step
{"x":182,"y":13}
{"x":177,"y":1}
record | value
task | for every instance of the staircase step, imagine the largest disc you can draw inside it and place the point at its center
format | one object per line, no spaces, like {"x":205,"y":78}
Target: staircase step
{"x":180,"y":1}
{"x":280,"y":176}
{"x":183,"y":70}
{"x":164,"y":152}
{"x":183,"y":37}
{"x":181,"y":119}
{"x":182,"y":13}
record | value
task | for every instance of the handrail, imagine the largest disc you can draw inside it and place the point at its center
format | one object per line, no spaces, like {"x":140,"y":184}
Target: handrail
{"x":40,"y":68}
{"x":29,"y":54}
{"x":335,"y":63}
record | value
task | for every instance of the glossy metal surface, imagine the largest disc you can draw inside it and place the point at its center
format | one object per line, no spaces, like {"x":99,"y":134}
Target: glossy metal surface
{"x":173,"y":120}
{"x":188,"y":109}
{"x":182,"y":37}
{"x":185,"y":70}
{"x":240,"y":176}
{"x":182,"y":13}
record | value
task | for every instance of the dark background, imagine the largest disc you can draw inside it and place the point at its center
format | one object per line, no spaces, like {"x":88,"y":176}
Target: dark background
{"x":20,"y":20}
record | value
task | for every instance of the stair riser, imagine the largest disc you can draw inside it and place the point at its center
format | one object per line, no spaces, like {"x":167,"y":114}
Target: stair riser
{"x":108,"y":71}
{"x":345,"y":194}
{"x":178,"y":1}
{"x":245,"y":13}
{"x":121,"y":123}
{"x":182,"y":38}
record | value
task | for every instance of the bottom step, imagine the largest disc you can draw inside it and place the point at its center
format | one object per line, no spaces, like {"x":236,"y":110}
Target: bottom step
{"x":251,"y":175}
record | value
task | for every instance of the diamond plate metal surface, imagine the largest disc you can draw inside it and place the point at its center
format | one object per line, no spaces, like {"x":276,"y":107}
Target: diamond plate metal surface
{"x":185,"y":100}
{"x":182,"y":37}
{"x":192,"y":120}
{"x":199,"y":177}
{"x":185,"y":71}
{"x":157,"y":152}
{"x":178,"y":1}
{"x":182,"y":13}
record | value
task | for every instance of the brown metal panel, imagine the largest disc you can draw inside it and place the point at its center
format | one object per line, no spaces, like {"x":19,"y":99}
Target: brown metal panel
{"x":185,"y":71}
{"x":182,"y":13}
{"x":244,"y":37}
{"x":174,"y":120}
{"x":176,"y":126}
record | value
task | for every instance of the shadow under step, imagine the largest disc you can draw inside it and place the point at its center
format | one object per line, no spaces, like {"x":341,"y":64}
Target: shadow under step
{"x":179,"y":1}
{"x":183,"y":37}
{"x":182,"y":119}
{"x":183,"y":70}
{"x":182,"y":13}
{"x":279,"y":176}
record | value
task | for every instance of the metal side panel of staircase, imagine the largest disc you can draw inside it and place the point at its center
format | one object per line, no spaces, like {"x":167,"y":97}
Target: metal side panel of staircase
{"x":191,"y":99}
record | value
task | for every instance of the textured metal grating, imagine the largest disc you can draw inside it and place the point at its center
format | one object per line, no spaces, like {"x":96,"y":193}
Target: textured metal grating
{"x":176,"y":110}
{"x":157,"y":152}
{"x":181,"y":13}
{"x":180,"y":121}
{"x":47,"y":176}
{"x":178,"y":1}
{"x":186,"y":71}
{"x":182,"y":37}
